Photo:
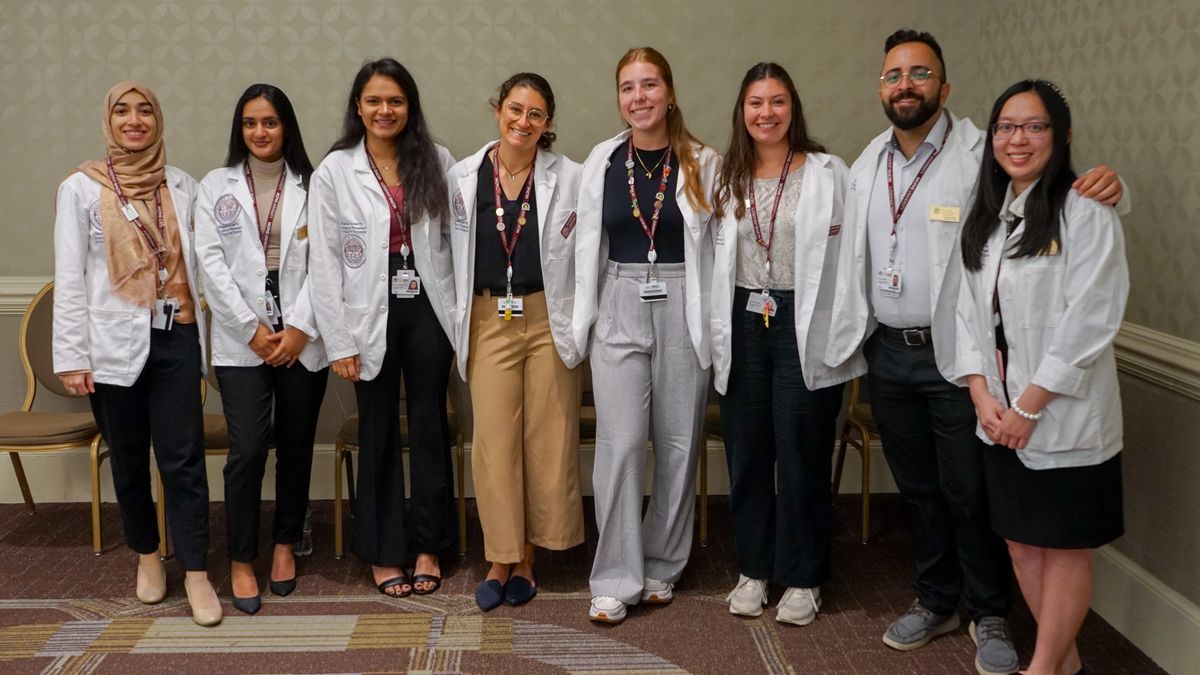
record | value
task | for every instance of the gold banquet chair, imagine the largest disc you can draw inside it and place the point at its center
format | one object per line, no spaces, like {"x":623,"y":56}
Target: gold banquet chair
{"x":347,"y":444}
{"x":859,"y":422}
{"x":27,"y":430}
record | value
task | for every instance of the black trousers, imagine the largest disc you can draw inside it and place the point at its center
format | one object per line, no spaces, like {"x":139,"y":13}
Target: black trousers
{"x":928,"y":430}
{"x":779,"y":439}
{"x":161,"y":407}
{"x":385,"y":532}
{"x":248,"y":395}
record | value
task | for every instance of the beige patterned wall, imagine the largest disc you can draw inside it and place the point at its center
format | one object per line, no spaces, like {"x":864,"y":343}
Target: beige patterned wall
{"x":57,"y":58}
{"x":1131,"y":72}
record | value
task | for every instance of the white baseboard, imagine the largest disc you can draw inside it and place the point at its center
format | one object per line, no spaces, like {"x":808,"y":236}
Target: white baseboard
{"x":64,"y":476}
{"x":1159,"y":621}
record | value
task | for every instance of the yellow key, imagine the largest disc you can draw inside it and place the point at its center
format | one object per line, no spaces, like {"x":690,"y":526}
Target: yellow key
{"x":508,"y":313}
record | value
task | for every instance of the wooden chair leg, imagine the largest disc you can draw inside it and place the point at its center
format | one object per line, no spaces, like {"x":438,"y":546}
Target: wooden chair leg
{"x":703,"y":490}
{"x":21,"y":481}
{"x":164,"y":546}
{"x":337,"y":499}
{"x":460,"y":453}
{"x":866,"y":487}
{"x":840,"y":463}
{"x":96,"y":458}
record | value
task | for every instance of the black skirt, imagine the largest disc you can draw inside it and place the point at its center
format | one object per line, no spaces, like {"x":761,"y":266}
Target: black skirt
{"x":1075,"y":507}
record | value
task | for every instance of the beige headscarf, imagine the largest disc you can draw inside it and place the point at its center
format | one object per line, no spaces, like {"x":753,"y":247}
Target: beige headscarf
{"x":132,"y":267}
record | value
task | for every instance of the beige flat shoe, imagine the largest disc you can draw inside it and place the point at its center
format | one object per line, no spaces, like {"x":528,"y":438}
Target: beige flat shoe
{"x":151,"y":580}
{"x":206,"y":607}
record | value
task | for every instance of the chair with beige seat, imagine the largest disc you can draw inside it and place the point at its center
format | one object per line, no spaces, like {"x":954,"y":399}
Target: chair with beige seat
{"x":27,"y":430}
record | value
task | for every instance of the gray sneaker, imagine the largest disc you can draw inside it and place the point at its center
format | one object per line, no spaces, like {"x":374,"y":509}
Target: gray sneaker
{"x":916,"y":627}
{"x":994,"y":651}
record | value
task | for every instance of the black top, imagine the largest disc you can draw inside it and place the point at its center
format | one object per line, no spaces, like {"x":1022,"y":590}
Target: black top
{"x":627,"y":242}
{"x":490,"y":259}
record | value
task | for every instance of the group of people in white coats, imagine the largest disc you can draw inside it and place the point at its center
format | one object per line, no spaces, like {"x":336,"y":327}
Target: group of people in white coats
{"x":776,"y":270}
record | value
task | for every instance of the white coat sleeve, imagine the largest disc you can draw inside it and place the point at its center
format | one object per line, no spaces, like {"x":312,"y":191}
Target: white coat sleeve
{"x":325,"y":267}
{"x":442,"y":255}
{"x":70,"y":343}
{"x":1096,"y":286}
{"x":220,"y":290}
{"x":969,"y":346}
{"x":302,"y":317}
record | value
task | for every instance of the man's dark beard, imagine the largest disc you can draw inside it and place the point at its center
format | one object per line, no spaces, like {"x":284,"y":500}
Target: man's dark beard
{"x":911,"y":120}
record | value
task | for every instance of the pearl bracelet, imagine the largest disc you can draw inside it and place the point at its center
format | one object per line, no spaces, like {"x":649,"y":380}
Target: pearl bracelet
{"x":1027,"y":415}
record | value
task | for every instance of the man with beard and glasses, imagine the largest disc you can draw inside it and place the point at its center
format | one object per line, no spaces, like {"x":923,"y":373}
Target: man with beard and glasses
{"x":898,"y":276}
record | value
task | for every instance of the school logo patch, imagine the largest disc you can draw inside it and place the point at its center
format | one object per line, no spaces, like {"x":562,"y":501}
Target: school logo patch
{"x":227,"y":209}
{"x":95,"y":223}
{"x":835,"y":230}
{"x":460,"y":212}
{"x":568,"y":226}
{"x":354,"y":250}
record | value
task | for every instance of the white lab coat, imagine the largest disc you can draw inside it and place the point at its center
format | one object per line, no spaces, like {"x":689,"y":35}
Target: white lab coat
{"x":1061,"y":314}
{"x":233,"y":266}
{"x":93,"y":328}
{"x":591,"y":246}
{"x":556,"y":186}
{"x":952,"y":178}
{"x":818,"y":219}
{"x":349,"y":227}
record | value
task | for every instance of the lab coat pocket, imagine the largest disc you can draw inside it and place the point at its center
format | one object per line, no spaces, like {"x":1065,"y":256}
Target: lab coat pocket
{"x":356,"y":323}
{"x":110,"y":332}
{"x":1042,"y":298}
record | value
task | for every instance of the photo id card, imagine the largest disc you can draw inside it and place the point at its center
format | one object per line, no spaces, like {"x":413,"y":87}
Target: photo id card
{"x":507,"y":308}
{"x":406,"y":285}
{"x":889,"y":281}
{"x":164,"y":313}
{"x":761,"y":303}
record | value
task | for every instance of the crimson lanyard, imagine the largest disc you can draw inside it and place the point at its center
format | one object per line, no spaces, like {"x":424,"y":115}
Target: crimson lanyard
{"x":509,"y":246}
{"x":896,"y":213}
{"x":787,"y":163}
{"x":264,"y":234}
{"x":397,"y":212}
{"x":659,"y":197}
{"x":131,"y":214}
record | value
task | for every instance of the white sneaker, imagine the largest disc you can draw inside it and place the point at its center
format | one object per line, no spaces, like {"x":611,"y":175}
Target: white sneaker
{"x":606,"y":610}
{"x":798,"y":606}
{"x":748,"y":597}
{"x":655,"y":592}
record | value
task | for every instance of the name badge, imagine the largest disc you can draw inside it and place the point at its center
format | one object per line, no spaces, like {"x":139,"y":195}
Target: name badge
{"x":130,"y":213}
{"x":406,"y":285}
{"x":652,"y":291}
{"x":164,"y":313}
{"x":274,"y":314}
{"x":507,"y":308}
{"x":761,"y":303}
{"x":302,"y":232}
{"x":889,"y":281}
{"x":944,"y":214}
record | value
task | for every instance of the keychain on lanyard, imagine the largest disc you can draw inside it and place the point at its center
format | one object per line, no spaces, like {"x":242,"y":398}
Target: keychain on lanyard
{"x":758,"y":238}
{"x":131,"y":214}
{"x":659,"y":197}
{"x":509,"y":246}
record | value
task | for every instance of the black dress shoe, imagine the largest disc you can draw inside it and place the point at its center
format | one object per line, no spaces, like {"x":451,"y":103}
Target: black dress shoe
{"x":282,"y":588}
{"x":248,"y":605}
{"x":489,"y":594}
{"x":519,"y":591}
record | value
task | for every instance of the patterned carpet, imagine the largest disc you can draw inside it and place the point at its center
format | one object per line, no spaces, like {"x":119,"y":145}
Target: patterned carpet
{"x":63,"y":610}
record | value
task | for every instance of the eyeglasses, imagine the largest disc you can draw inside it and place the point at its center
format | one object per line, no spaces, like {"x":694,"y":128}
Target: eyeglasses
{"x":918,"y":75}
{"x":1031,"y":129}
{"x":535,"y":116}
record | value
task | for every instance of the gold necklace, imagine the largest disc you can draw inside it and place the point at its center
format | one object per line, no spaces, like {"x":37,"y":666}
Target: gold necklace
{"x":513,"y":176}
{"x":649,"y":172}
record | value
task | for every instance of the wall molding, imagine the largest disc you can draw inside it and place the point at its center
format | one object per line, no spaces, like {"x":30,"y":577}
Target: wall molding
{"x":1165,"y":360}
{"x":1159,"y":621}
{"x":17,"y":292}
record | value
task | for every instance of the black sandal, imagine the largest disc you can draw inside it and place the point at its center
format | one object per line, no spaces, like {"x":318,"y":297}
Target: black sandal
{"x":428,"y":579}
{"x":402,"y":580}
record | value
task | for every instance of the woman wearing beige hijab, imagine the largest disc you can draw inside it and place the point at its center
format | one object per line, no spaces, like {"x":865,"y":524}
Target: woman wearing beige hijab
{"x":128,"y":332}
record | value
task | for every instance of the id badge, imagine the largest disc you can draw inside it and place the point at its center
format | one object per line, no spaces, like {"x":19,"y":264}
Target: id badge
{"x":274,"y":315}
{"x":889,"y":281}
{"x":507,"y":308}
{"x":406,"y":285}
{"x":761,"y":303}
{"x":652,"y":291}
{"x":164,"y":313}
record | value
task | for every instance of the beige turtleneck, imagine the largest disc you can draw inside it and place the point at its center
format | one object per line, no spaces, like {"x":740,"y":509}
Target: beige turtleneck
{"x":266,"y":177}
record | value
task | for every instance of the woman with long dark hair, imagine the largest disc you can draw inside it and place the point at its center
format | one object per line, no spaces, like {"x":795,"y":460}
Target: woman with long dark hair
{"x":1045,"y":285}
{"x":252,"y":240}
{"x":643,"y":270}
{"x":128,"y":331}
{"x":779,"y":198}
{"x":380,"y":261}
{"x":514,"y":260}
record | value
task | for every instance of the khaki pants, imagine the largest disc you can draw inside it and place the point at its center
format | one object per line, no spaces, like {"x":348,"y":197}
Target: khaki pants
{"x":525,"y":452}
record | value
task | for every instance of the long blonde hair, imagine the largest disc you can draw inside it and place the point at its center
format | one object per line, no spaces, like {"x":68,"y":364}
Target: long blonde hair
{"x":678,"y":136}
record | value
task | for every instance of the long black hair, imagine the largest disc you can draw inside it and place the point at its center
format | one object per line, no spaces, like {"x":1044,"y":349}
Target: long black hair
{"x":1044,"y":205}
{"x":542,"y":87}
{"x":293,"y":144}
{"x":420,"y":169}
{"x":738,"y":167}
